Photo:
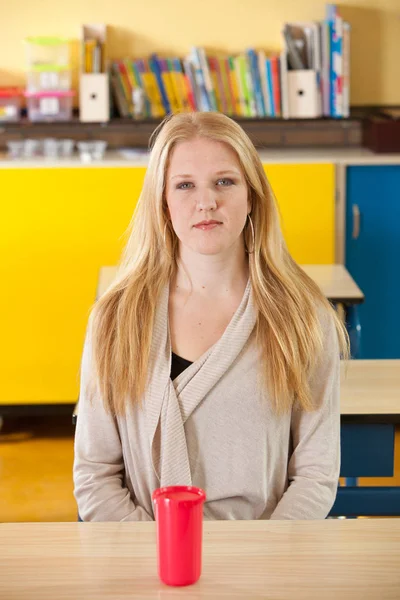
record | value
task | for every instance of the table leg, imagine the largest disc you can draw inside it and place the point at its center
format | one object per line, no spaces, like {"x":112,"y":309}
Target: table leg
{"x":353,"y":325}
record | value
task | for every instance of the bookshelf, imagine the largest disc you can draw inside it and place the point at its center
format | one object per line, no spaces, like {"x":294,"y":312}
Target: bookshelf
{"x":272,"y":133}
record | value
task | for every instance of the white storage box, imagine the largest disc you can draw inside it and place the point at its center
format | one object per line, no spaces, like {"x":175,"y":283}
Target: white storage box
{"x":46,"y":78}
{"x":304,"y":101}
{"x":10,"y":105}
{"x":43,"y":51}
{"x":49,"y":106}
{"x":94,"y":98}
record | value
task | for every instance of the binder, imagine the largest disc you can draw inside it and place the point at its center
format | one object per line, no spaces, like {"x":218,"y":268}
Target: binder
{"x":303,"y":96}
{"x":94,"y":86}
{"x":301,"y":87}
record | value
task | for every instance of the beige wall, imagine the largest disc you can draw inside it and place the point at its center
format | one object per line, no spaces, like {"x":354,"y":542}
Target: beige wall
{"x":138,"y":27}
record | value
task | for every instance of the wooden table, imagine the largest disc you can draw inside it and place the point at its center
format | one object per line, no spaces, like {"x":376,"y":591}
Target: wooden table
{"x":334,"y":280}
{"x":370,"y":391}
{"x":336,"y":283}
{"x":299,"y":560}
{"x":370,"y":411}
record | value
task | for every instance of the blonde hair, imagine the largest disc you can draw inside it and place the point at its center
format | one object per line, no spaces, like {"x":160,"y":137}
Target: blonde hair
{"x":289,"y":331}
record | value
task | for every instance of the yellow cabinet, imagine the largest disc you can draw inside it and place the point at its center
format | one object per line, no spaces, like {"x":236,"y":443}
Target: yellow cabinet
{"x":305,"y":195}
{"x":57,"y":228}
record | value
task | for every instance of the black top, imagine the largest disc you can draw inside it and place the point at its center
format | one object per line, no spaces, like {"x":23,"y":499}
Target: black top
{"x":178,"y":365}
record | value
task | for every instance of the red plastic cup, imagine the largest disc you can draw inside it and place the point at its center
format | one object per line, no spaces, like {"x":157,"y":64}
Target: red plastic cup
{"x":179,"y":517}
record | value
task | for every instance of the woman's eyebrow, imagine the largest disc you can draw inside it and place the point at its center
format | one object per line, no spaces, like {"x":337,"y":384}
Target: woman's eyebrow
{"x":219,"y":173}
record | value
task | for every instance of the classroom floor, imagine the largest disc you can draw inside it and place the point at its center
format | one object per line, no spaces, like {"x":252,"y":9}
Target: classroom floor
{"x":36,"y":457}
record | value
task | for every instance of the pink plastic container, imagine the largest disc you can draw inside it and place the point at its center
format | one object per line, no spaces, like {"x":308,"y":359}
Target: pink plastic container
{"x":179,"y":516}
{"x":49,"y":105}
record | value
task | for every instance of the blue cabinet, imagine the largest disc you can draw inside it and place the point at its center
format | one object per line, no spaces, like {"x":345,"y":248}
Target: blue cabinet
{"x":373,"y":254}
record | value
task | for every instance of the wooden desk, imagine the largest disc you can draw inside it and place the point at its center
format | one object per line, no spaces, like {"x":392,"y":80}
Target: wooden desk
{"x":370,"y":410}
{"x":300,"y":560}
{"x":334,"y":280}
{"x":371,"y":388}
{"x":336,"y":283}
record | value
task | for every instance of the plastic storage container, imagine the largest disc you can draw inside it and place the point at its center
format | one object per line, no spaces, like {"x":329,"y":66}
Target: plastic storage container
{"x":49,"y":106}
{"x":45,"y":51}
{"x":49,"y":77}
{"x":10,"y":105}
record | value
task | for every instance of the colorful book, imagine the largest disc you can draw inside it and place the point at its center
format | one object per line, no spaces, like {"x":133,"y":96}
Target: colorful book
{"x":283,"y":64}
{"x":212,"y":66}
{"x":250,"y":87}
{"x":336,"y":64}
{"x":244,"y":94}
{"x":146,"y":86}
{"x":168,"y":84}
{"x":326,"y":67}
{"x":270,"y":86}
{"x":175,"y":85}
{"x":205,"y":101}
{"x":276,"y":84}
{"x":256,"y":81}
{"x":264,"y":84}
{"x":179,"y":85}
{"x":119,"y":91}
{"x":194,"y":93}
{"x":234,"y":84}
{"x":130,"y":74}
{"x":225,"y":69}
{"x":224,"y":92}
{"x":154,"y":65}
{"x":140,"y":83}
{"x":126,"y":85}
{"x":346,"y":70}
{"x":155,"y":91}
{"x":207,"y":77}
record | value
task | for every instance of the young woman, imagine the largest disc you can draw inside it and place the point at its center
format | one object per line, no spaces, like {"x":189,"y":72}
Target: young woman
{"x":213,"y":359}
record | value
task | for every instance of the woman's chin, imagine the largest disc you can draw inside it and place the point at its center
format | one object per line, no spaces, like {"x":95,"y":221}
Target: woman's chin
{"x":210,"y":249}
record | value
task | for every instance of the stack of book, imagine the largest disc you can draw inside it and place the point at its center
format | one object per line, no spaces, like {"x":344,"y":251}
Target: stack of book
{"x":335,"y":79}
{"x":248,"y":85}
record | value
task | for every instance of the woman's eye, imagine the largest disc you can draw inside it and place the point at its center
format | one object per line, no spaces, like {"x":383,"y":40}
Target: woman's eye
{"x":225,"y":182}
{"x":184,"y":186}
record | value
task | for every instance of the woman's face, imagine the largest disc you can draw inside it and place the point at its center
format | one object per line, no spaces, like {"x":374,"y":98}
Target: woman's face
{"x":207,"y":196}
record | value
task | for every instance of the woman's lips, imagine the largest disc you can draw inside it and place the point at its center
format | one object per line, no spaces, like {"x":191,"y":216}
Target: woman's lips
{"x":205,"y":226}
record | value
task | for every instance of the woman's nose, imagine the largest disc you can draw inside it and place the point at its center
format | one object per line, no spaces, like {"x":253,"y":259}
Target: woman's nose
{"x":206,"y":200}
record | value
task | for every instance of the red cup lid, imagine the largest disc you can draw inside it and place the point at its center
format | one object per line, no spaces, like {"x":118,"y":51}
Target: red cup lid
{"x":180,"y":494}
{"x":10,"y":92}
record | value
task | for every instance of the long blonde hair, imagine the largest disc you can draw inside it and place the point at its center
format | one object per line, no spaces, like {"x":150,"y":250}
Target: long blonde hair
{"x":289,"y":331}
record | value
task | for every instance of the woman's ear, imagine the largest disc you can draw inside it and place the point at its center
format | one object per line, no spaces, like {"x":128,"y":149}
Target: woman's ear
{"x":249,"y":202}
{"x":166,"y":209}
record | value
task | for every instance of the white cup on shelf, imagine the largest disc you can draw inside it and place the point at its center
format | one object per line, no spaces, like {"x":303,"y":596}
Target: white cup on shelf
{"x":15,"y":148}
{"x":93,"y":150}
{"x":31,"y":148}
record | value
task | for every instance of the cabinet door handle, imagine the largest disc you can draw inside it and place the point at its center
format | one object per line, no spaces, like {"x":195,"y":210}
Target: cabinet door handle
{"x":356,"y":221}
